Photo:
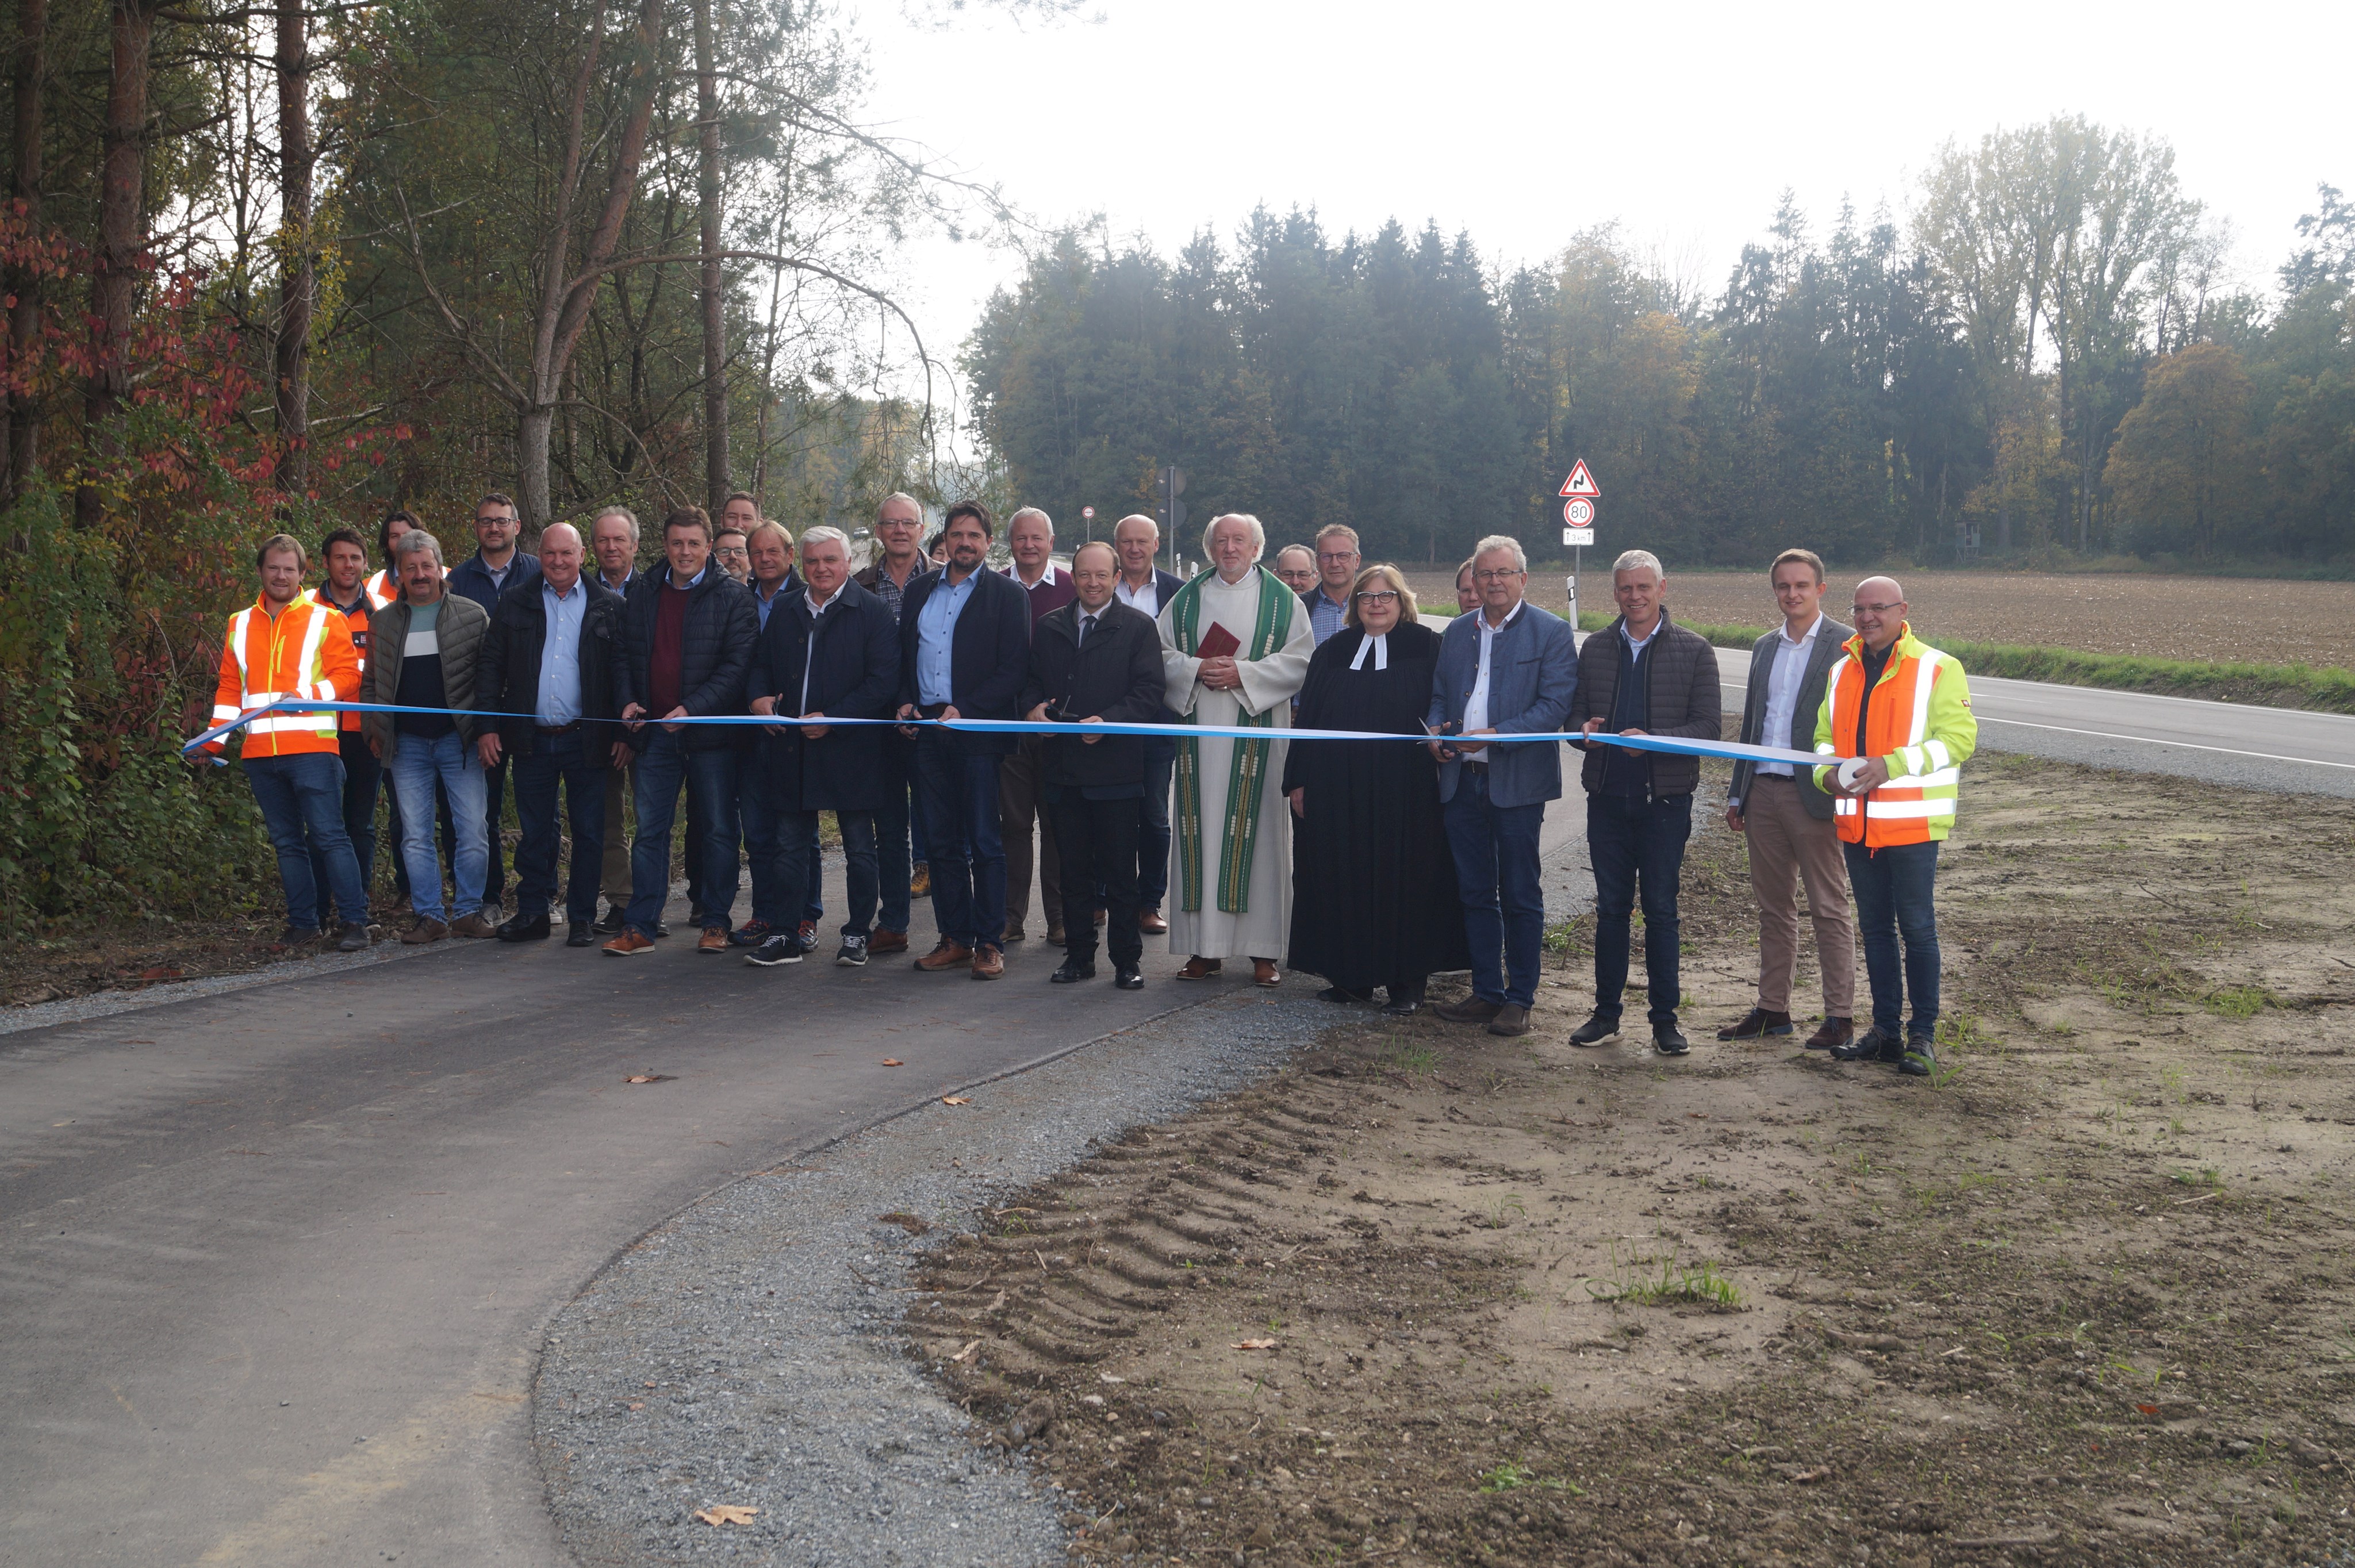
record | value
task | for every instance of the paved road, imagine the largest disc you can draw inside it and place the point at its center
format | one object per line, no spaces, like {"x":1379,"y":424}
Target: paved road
{"x":275,"y":1265}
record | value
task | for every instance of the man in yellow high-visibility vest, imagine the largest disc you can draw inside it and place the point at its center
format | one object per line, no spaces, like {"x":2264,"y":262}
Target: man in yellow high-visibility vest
{"x":1904,"y":709}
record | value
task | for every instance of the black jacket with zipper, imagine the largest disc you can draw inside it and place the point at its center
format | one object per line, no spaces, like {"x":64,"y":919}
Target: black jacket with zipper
{"x":851,"y":666}
{"x":506,"y":671}
{"x":715,"y":650}
{"x":1116,"y":676}
{"x":1679,"y":673}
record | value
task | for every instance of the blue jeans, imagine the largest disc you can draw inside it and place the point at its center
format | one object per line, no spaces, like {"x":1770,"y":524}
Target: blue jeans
{"x":301,"y":801}
{"x":557,"y":760}
{"x":1632,"y":841}
{"x":1496,"y":851}
{"x":898,"y":839}
{"x":362,"y":775}
{"x":794,"y":859}
{"x":709,"y":779}
{"x":418,"y":765}
{"x":773,"y":886}
{"x":399,"y":834}
{"x":959,"y":795}
{"x":1893,"y":890}
{"x":1153,"y":826}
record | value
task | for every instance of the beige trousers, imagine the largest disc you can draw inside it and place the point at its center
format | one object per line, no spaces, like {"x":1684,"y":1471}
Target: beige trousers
{"x":614,"y":877}
{"x":1787,"y":846}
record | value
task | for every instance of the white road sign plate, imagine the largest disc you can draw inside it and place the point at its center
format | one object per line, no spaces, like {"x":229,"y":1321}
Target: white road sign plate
{"x":1578,"y":536}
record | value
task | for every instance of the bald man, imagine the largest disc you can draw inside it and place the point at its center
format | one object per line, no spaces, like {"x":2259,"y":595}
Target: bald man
{"x":1904,"y":708}
{"x":549,"y":653}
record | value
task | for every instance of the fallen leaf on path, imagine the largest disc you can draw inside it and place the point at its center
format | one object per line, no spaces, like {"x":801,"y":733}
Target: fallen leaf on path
{"x":159,"y":973}
{"x":727,"y":1513}
{"x":1254,"y":1344}
{"x":893,"y":1061}
{"x":637,"y":1404}
{"x":649,"y":1078}
{"x":1809,"y":1478}
{"x":2147,"y":1409}
{"x":957,"y":1099}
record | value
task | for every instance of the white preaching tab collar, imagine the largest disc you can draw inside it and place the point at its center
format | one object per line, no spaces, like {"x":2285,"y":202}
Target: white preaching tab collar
{"x":1378,"y":646}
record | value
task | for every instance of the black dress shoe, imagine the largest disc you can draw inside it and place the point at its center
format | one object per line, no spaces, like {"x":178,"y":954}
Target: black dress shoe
{"x":1757,"y":1024}
{"x":662,"y":927}
{"x":1344,"y":996}
{"x":536,"y":928}
{"x":1594,"y":1030}
{"x":584,"y":934}
{"x":610,"y":922}
{"x":1124,"y":977}
{"x":1871,"y":1046}
{"x":1670,"y":1041}
{"x":1920,"y":1058}
{"x":1073,"y":974}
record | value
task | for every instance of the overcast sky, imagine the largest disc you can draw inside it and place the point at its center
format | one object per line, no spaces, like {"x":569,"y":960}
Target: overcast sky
{"x":1527,"y":123}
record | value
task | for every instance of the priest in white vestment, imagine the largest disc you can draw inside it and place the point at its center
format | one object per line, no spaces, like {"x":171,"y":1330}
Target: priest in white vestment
{"x":1235,"y":643}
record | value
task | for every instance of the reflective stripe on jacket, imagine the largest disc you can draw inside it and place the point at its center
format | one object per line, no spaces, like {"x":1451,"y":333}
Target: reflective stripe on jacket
{"x":383,"y":588}
{"x":1920,"y":724}
{"x":305,"y":650}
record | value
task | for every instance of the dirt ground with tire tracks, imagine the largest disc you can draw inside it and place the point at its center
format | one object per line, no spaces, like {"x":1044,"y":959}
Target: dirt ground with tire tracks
{"x":1432,"y":1296}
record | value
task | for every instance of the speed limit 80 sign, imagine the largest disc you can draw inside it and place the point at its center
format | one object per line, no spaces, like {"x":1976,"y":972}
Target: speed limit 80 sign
{"x":1578,"y":512}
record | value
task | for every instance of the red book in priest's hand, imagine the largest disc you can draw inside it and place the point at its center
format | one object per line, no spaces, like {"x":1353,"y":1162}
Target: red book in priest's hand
{"x":1217,"y":642}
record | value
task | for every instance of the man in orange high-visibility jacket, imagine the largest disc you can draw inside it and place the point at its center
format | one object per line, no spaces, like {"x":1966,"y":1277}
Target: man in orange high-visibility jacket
{"x":288,"y":645}
{"x":1904,"y":708}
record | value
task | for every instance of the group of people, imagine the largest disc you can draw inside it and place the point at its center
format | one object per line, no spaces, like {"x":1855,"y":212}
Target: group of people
{"x":761,"y":681}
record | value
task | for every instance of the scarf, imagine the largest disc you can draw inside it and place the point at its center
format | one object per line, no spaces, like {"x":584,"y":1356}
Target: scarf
{"x":1248,"y":768}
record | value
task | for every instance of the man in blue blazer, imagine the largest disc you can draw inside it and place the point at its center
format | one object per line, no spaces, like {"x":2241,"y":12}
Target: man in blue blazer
{"x":964,"y":652}
{"x":1506,"y":668}
{"x":1146,"y":588}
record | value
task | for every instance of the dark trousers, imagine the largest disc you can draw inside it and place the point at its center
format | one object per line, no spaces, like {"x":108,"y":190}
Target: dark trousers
{"x":363,"y":775}
{"x":899,"y":841}
{"x":1893,"y":890}
{"x":1496,"y":853}
{"x":779,"y":903}
{"x":495,"y":801}
{"x":1098,"y":842}
{"x":708,"y":777}
{"x":302,"y":802}
{"x":566,"y":761}
{"x":1636,"y":843}
{"x":959,"y":792}
{"x":794,"y":859}
{"x":1152,"y":825}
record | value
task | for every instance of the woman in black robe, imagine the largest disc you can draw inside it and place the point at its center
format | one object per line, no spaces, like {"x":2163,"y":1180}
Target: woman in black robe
{"x":1373,"y":882}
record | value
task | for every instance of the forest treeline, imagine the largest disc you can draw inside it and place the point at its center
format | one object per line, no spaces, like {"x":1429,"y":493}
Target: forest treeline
{"x":2044,"y":359}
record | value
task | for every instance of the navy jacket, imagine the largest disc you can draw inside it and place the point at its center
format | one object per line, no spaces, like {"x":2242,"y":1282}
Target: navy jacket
{"x":1116,"y":677}
{"x":990,"y":656}
{"x":852,"y":670}
{"x":470,"y":579}
{"x":1533,"y":675}
{"x":714,"y":653}
{"x":507,"y":670}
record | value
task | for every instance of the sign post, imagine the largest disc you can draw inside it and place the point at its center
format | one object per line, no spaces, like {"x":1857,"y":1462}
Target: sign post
{"x":1578,"y":523}
{"x":1087,"y":523}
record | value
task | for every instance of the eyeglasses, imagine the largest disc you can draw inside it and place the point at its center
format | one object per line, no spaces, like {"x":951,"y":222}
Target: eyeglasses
{"x":1378,"y":596}
{"x":1879,"y":609}
{"x":1496,"y":575}
{"x":1337,"y":555}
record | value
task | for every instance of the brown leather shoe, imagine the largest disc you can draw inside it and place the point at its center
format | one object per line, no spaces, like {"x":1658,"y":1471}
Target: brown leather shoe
{"x":886,"y":942}
{"x":1264,"y":973}
{"x":947,"y":955}
{"x":1510,"y":1020}
{"x":715,"y":940}
{"x":1198,"y":968}
{"x":1756,"y":1024}
{"x":629,"y":945}
{"x":1470,"y":1010}
{"x":1834,"y":1031}
{"x":423,"y":931}
{"x":919,"y":882}
{"x":475,"y":927}
{"x":988,"y":963}
{"x":1152,"y":925}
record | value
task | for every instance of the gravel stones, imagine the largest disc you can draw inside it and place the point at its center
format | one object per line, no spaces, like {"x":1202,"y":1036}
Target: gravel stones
{"x":750,"y":1352}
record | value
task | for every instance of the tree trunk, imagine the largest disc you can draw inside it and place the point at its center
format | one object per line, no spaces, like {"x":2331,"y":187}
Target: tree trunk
{"x":20,"y":452}
{"x":715,"y":327}
{"x":298,"y":263}
{"x":122,"y":238}
{"x":532,"y":429}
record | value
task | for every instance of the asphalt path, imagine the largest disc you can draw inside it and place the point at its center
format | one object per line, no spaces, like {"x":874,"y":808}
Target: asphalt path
{"x":276,"y":1263}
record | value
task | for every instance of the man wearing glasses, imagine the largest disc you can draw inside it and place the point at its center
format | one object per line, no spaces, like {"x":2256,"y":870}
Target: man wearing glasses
{"x":1336,"y":576}
{"x":1905,"y":708}
{"x":496,"y":566}
{"x":1512,"y":668}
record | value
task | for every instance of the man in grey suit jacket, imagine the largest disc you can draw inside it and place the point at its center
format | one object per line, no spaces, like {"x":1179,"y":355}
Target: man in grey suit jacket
{"x":1787,"y":818}
{"x":1507,"y":669}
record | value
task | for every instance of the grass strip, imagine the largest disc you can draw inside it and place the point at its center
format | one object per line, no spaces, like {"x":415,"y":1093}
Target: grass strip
{"x":2319,"y":688}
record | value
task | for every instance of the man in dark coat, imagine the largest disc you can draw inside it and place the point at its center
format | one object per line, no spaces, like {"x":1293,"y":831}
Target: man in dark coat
{"x":1095,"y":660}
{"x":830,"y":652}
{"x":964,"y":652}
{"x":1144,"y":587}
{"x":549,"y":654}
{"x":1641,"y":676}
{"x":497,"y":564}
{"x":687,"y":634}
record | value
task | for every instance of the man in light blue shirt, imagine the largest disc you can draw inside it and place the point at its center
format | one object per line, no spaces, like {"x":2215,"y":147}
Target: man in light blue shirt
{"x":935,"y":632}
{"x":560,"y":659}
